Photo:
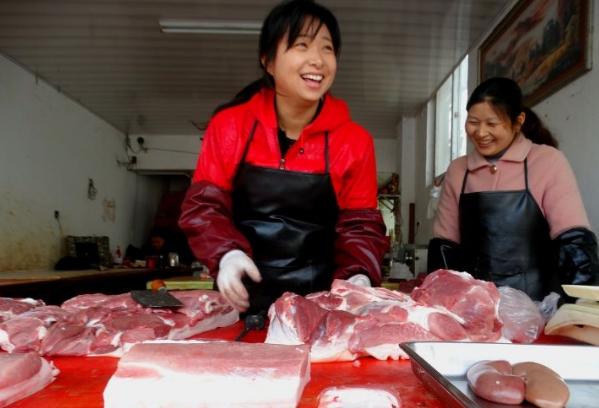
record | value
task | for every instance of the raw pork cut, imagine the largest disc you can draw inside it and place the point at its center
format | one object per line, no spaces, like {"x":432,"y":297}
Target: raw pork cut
{"x":25,"y":331}
{"x":359,"y":396}
{"x":475,"y":301}
{"x":11,"y":307}
{"x":352,"y":321}
{"x":23,"y":374}
{"x":97,"y":324}
{"x":209,"y":374}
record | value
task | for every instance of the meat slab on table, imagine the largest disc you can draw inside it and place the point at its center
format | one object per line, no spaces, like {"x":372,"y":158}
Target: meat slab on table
{"x":209,"y":374}
{"x":352,"y":321}
{"x":10,"y":307}
{"x":23,"y":374}
{"x":97,"y":324}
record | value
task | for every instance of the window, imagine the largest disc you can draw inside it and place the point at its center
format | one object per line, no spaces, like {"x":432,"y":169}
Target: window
{"x":449,"y":117}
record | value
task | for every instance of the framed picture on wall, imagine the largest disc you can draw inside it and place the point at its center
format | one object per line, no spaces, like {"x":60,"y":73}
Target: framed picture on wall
{"x":541,"y":44}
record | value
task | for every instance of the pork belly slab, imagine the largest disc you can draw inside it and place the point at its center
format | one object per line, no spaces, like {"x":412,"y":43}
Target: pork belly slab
{"x":23,"y":374}
{"x":210,"y":374}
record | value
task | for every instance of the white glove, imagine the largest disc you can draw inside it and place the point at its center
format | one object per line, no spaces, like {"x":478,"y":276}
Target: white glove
{"x":360,"y":280}
{"x":232,"y":268}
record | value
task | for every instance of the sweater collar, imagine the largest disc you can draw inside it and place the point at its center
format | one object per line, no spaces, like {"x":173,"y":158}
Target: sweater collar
{"x":517,"y":152}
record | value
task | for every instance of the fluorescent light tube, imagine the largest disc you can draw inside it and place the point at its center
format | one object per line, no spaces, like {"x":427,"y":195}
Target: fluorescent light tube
{"x":209,"y":26}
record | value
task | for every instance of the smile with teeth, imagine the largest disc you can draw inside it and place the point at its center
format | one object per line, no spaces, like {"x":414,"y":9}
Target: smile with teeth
{"x":313,"y":77}
{"x":485,"y":142}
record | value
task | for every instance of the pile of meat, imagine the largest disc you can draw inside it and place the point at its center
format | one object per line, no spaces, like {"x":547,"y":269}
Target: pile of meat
{"x":209,"y":374}
{"x":23,"y":374}
{"x":96,"y":324}
{"x":352,"y":321}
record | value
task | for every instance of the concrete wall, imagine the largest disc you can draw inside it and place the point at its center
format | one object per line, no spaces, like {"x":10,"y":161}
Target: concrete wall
{"x":49,"y":149}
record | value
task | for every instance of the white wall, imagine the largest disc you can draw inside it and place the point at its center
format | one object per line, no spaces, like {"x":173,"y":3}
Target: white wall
{"x":421,"y":184}
{"x":387,"y":158}
{"x":407,"y":179}
{"x":165,"y":152}
{"x":49,"y":147}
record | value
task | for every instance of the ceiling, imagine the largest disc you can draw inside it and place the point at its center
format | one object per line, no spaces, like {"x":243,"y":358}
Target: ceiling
{"x":111,"y":57}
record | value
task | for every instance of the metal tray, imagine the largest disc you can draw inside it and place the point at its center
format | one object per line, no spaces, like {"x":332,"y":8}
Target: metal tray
{"x":442,"y":367}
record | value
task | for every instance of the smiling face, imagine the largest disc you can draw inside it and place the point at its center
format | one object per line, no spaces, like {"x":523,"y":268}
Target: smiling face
{"x":489,"y":131}
{"x":305,"y":71}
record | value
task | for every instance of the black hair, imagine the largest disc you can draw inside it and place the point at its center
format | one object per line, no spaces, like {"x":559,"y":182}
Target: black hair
{"x":289,"y":18}
{"x":505,"y":95}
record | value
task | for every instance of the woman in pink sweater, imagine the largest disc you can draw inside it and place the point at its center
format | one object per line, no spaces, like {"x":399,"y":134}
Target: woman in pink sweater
{"x":510,"y":211}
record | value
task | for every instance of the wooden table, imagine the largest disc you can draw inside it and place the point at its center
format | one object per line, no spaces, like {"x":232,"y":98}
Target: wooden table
{"x":54,"y":287}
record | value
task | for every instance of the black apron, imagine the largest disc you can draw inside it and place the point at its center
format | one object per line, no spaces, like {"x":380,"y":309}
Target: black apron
{"x":289,"y":219}
{"x":505,"y":239}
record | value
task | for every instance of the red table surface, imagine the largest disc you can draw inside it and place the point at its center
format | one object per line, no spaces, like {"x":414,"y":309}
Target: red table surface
{"x":82,"y":380}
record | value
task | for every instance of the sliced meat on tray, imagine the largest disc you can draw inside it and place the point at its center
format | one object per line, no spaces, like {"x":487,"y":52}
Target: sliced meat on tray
{"x":209,"y":374}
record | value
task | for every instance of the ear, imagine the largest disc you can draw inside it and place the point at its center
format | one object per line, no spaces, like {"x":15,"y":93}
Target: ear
{"x":267,"y":66}
{"x":520,"y":120}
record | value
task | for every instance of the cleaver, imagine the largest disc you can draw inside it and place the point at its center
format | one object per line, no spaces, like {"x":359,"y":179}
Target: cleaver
{"x":156,"y":298}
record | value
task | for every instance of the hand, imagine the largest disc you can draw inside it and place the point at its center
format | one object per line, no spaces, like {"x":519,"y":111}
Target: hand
{"x":360,"y":280}
{"x":233,"y":266}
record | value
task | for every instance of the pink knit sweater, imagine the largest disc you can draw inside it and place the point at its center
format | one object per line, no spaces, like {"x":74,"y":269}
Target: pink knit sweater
{"x":550,"y":180}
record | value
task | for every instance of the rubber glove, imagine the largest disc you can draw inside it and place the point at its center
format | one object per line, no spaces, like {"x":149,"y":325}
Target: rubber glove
{"x":233,"y":266}
{"x":360,"y":280}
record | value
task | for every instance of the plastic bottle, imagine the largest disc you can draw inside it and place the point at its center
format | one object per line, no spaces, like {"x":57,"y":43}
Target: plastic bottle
{"x":117,"y":258}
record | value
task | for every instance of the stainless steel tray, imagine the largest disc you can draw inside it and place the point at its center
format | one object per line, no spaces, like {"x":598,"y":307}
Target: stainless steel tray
{"x":442,"y":367}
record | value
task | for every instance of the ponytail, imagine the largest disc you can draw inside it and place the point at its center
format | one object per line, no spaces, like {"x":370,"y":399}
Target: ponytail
{"x":534,"y":129}
{"x":245,"y":94}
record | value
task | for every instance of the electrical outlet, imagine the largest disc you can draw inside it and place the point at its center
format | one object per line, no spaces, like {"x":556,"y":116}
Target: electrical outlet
{"x":56,"y":214}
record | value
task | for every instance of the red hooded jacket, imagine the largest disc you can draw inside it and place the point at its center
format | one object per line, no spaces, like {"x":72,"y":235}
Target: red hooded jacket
{"x":207,"y":209}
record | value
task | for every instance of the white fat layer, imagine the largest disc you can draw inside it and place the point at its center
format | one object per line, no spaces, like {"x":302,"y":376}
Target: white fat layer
{"x":419,"y":316}
{"x":357,"y":397}
{"x":204,"y":390}
{"x":385,"y":351}
{"x":282,"y":333}
{"x":30,"y":301}
{"x":331,"y":352}
{"x":5,"y":343}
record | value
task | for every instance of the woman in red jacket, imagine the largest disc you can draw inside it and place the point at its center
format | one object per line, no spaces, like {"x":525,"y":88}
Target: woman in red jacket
{"x":284,"y":194}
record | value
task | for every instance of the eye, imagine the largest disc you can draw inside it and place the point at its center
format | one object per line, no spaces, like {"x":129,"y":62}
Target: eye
{"x":301,"y":44}
{"x":328,"y":48}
